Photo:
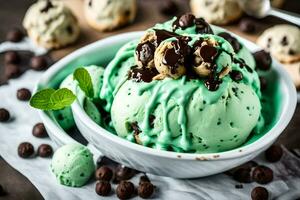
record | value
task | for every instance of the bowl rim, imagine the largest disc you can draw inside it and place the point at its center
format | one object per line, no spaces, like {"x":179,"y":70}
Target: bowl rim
{"x":286,"y":114}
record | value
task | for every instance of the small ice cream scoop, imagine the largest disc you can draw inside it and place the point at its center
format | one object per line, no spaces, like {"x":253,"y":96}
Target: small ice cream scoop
{"x":262,"y":8}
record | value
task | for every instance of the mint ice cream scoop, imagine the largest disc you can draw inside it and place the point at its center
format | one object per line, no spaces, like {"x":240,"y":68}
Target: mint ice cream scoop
{"x":73,"y":165}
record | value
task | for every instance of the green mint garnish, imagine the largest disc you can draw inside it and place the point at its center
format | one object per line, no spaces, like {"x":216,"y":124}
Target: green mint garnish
{"x":51,"y":99}
{"x":85,"y":81}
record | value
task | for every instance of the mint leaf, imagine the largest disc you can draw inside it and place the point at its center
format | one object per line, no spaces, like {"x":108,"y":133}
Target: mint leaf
{"x":61,"y":98}
{"x":41,"y":99}
{"x":51,"y":99}
{"x":85,"y":81}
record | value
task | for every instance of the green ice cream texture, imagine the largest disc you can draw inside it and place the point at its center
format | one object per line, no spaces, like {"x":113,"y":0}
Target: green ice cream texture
{"x":181,"y":114}
{"x":73,"y":165}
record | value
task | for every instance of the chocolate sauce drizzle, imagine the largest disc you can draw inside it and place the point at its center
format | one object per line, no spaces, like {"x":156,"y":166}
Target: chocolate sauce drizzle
{"x":142,"y":74}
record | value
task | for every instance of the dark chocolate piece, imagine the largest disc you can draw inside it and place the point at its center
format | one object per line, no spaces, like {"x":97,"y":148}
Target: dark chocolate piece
{"x":232,"y":40}
{"x":236,"y":75}
{"x":104,"y":173}
{"x":125,"y":190}
{"x":45,"y":151}
{"x":259,"y":193}
{"x":4,"y":115}
{"x":263,"y":60}
{"x":145,"y":190}
{"x":23,"y":94}
{"x":39,"y":131}
{"x":262,"y":175}
{"x":142,"y":74}
{"x":11,"y":57}
{"x":103,"y":188}
{"x":273,"y":153}
{"x":15,"y":35}
{"x":38,"y":63}
{"x":25,"y":150}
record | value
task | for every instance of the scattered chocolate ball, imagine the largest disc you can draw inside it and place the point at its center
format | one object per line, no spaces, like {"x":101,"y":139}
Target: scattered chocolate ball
{"x":104,"y":173}
{"x":12,"y":71}
{"x":263,"y":60}
{"x":11,"y":57}
{"x":259,"y":193}
{"x":23,"y":94}
{"x":15,"y":35}
{"x":273,"y":153}
{"x":4,"y":115}
{"x":243,"y":175}
{"x":247,"y":25}
{"x":145,"y":190}
{"x":45,"y":151}
{"x":2,"y":191}
{"x":262,"y":175}
{"x":124,"y":173}
{"x":125,"y":190}
{"x":168,"y":7}
{"x":38,"y":63}
{"x":39,"y":131}
{"x":103,"y":188}
{"x":144,"y":179}
{"x":25,"y":150}
{"x":236,"y":75}
{"x":263,"y":83}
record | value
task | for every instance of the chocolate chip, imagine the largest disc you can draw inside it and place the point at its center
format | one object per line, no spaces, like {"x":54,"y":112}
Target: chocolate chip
{"x":263,"y":83}
{"x":143,"y":179}
{"x":273,"y":153}
{"x":236,"y":75}
{"x":125,"y":190}
{"x":168,"y":7}
{"x":103,"y":188}
{"x":69,"y":29}
{"x":104,"y":173}
{"x":259,"y":193}
{"x":262,"y":175}
{"x":12,"y":71}
{"x":48,"y":6}
{"x":232,"y":40}
{"x":23,"y":94}
{"x":202,"y":27}
{"x":243,"y":175}
{"x":4,"y":115}
{"x":15,"y":35}
{"x":284,"y":41}
{"x":291,"y":52}
{"x":263,"y":60}
{"x":25,"y":150}
{"x":45,"y":151}
{"x":124,"y":173}
{"x":208,"y":53}
{"x":2,"y":191}
{"x":90,"y":3}
{"x":186,"y":21}
{"x":239,"y":186}
{"x":145,"y":190}
{"x":247,"y":25}
{"x":39,"y":131}
{"x":11,"y":57}
{"x":38,"y":63}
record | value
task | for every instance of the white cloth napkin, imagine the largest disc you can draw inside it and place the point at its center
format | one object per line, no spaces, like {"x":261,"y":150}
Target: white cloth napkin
{"x":221,"y":186}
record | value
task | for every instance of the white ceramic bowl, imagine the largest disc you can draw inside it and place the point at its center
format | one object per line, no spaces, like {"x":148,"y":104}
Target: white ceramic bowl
{"x":179,"y":165}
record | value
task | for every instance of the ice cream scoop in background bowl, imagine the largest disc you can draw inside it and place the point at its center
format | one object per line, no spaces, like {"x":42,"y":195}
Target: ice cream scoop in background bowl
{"x":165,"y":163}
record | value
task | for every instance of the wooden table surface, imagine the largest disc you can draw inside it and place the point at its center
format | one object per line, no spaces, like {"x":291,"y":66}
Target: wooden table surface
{"x":11,"y":15}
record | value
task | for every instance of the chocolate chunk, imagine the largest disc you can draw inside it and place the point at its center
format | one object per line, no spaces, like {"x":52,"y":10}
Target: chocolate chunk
{"x":2,"y":191}
{"x":168,"y":7}
{"x":151,"y":120}
{"x":239,"y":186}
{"x":125,"y":190}
{"x":291,"y":52}
{"x":212,"y":84}
{"x":11,"y":57}
{"x":144,"y":178}
{"x":25,"y":150}
{"x":263,"y":83}
{"x":232,"y":40}
{"x":39,"y":131}
{"x":273,"y":153}
{"x":142,"y":74}
{"x":48,"y":6}
{"x":145,"y":52}
{"x":14,"y":35}
{"x":243,"y":175}
{"x":263,"y":60}
{"x":103,"y":188}
{"x":284,"y":41}
{"x":247,"y":25}
{"x":186,"y":21}
{"x":12,"y":71}
{"x":104,"y":173}
{"x":262,"y":175}
{"x":69,"y":29}
{"x":4,"y":115}
{"x":162,"y":35}
{"x":259,"y":193}
{"x":124,"y":173}
{"x":202,"y":27}
{"x":135,"y":127}
{"x":236,"y":75}
{"x":145,"y":190}
{"x":45,"y":151}
{"x":38,"y":63}
{"x":208,"y":53}
{"x":23,"y":94}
